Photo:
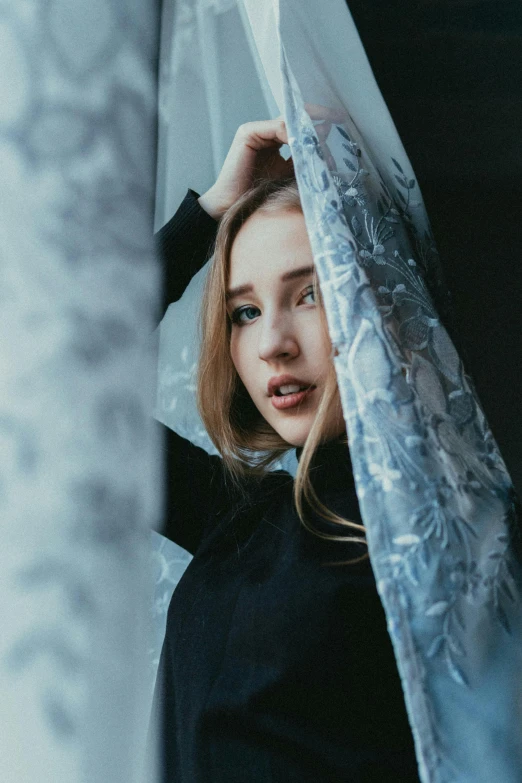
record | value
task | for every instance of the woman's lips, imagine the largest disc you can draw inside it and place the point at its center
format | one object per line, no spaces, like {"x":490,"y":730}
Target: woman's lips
{"x":291,"y":400}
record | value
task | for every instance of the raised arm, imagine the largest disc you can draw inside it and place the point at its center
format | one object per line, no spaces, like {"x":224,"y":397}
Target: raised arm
{"x":195,"y":482}
{"x":195,"y":490}
{"x":184,"y":243}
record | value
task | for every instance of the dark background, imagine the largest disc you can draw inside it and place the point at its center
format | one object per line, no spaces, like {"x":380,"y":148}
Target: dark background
{"x":450,"y":72}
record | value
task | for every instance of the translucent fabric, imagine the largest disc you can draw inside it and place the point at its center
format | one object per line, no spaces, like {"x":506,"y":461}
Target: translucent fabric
{"x":438,"y":504}
{"x":78,"y":486}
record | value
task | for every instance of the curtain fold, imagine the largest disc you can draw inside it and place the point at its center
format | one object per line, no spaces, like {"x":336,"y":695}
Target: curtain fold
{"x":79,"y":286}
{"x":441,"y":513}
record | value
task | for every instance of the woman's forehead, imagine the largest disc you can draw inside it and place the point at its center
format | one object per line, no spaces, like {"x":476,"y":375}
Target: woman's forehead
{"x":269,"y":244}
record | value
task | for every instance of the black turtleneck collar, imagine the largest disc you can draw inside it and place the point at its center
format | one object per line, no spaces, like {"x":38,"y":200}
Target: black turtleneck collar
{"x":331,"y":466}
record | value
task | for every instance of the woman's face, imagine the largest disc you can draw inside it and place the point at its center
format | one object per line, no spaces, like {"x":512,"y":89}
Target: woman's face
{"x":278,"y":344}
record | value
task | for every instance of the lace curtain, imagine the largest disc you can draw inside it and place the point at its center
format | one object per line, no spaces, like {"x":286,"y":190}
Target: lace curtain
{"x":78,"y":486}
{"x":435,"y":496}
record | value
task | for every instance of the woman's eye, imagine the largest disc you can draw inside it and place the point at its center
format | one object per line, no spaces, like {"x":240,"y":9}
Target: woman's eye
{"x":309,"y":293}
{"x":244,"y":315}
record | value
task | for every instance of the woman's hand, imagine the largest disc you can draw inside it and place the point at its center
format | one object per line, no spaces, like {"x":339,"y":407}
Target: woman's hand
{"x":254,"y":153}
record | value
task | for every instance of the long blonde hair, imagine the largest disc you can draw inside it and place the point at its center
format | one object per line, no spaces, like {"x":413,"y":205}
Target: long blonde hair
{"x":246,"y":442}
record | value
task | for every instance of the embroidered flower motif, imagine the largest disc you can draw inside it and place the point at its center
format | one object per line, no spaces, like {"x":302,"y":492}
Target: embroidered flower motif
{"x":390,"y":298}
{"x":384,"y":475}
{"x":311,"y":143}
{"x":350,"y":196}
{"x":373,"y":254}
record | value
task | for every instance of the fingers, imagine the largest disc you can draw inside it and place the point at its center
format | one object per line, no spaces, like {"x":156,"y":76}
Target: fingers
{"x":255,"y":141}
{"x":263,"y":133}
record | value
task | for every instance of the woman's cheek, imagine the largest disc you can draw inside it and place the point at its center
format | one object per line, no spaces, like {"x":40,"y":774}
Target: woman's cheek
{"x":239,"y":352}
{"x":312,"y":342}
{"x":234,"y":347}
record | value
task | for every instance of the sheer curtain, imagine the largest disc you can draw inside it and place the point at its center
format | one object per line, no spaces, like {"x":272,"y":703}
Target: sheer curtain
{"x":78,"y":490}
{"x":434,"y":492}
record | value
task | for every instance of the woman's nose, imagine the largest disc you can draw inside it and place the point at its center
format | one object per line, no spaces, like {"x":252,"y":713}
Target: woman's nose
{"x":277,"y":339}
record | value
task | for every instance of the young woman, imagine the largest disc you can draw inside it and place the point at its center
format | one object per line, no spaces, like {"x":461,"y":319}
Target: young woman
{"x":277,"y":665}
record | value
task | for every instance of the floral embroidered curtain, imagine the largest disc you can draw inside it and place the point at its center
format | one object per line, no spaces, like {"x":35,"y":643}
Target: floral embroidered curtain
{"x":79,"y":285}
{"x":439,"y":506}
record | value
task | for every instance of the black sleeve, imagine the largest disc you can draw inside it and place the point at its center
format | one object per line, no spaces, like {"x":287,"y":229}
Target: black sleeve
{"x":197,"y":489}
{"x":184,"y":244}
{"x":195,"y":482}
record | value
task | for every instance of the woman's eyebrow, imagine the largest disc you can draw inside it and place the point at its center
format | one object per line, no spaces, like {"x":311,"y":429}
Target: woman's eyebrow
{"x":302,"y":271}
{"x":239,"y":291}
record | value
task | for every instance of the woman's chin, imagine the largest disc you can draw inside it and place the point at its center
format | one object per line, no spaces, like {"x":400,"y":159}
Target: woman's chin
{"x":294,"y":432}
{"x":294,"y":426}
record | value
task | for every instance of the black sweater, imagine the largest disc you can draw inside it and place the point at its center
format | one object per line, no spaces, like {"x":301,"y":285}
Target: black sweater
{"x":276,"y":667}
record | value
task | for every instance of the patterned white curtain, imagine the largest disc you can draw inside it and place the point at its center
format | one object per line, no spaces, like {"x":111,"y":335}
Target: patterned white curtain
{"x":439,"y":506}
{"x":79,"y":489}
